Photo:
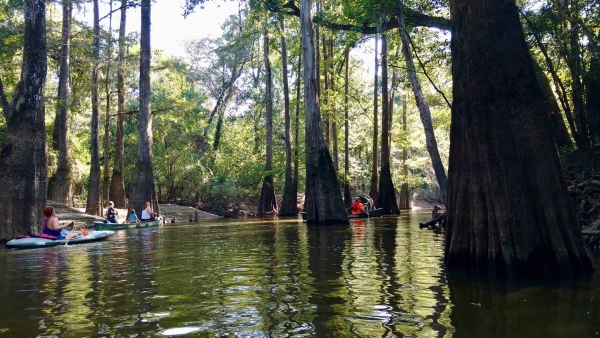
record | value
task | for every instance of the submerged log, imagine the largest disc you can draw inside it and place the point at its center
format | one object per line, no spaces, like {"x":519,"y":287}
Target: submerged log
{"x":441,"y":218}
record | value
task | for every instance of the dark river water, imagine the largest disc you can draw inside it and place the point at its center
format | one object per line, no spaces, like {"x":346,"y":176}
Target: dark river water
{"x":264,"y":278}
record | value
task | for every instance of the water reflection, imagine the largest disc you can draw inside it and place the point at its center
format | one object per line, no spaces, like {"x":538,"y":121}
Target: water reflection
{"x":278,"y":278}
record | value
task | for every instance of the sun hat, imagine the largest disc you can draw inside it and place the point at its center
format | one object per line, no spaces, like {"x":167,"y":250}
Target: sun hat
{"x":110,"y":203}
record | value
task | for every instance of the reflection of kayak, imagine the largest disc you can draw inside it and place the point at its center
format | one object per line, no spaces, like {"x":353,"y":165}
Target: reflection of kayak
{"x":372,"y":213}
{"x":122,"y":226}
{"x":37,"y":242}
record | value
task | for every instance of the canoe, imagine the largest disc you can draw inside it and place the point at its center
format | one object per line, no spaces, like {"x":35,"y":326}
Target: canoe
{"x":372,"y":213}
{"x":122,"y":226}
{"x":36,"y":242}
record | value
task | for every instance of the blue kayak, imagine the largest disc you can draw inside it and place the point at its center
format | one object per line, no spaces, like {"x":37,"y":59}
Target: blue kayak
{"x":36,"y":242}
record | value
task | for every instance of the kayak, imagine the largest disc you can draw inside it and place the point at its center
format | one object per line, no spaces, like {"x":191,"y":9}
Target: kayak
{"x":122,"y":226}
{"x":372,"y":213}
{"x":37,"y":242}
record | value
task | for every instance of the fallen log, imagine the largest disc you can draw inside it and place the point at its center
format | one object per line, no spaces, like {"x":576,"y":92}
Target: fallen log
{"x":590,"y":232}
{"x":441,"y":218}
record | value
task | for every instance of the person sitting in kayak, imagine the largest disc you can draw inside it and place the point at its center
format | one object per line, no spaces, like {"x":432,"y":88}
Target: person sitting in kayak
{"x":133,"y":217}
{"x":111,"y":213}
{"x":147,"y":214}
{"x":51,"y":226}
{"x":357,"y":207}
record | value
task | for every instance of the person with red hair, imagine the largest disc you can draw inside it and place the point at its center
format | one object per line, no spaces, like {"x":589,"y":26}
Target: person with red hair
{"x":53,"y":228}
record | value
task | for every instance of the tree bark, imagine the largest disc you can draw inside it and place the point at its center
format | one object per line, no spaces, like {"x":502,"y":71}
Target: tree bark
{"x":117,"y":185}
{"x":404,"y":191}
{"x":373,"y":192}
{"x":557,"y":124}
{"x":297,"y":125}
{"x":325,"y":92}
{"x":289,"y":204}
{"x":347,"y":192}
{"x":62,"y":183}
{"x":142,"y":187}
{"x":93,"y":205}
{"x":323,"y":200}
{"x":574,"y":63}
{"x":267,"y":202}
{"x":509,"y":212}
{"x":23,"y":155}
{"x":106,"y":150}
{"x":334,"y":125}
{"x":387,"y":193}
{"x":592,"y":102}
{"x":561,"y":89}
{"x":424,"y":112}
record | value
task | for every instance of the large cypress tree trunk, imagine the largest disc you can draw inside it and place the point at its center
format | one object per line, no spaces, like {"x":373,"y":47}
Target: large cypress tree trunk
{"x":387,"y":193}
{"x":267,"y":202}
{"x":323,"y":202}
{"x":93,"y":205}
{"x":106,"y":150}
{"x":289,"y":205}
{"x":373,"y":192}
{"x":142,"y":187}
{"x":23,"y":155}
{"x":61,"y":187}
{"x":117,"y":186}
{"x":404,"y":191}
{"x":347,"y":193}
{"x":509,"y":212}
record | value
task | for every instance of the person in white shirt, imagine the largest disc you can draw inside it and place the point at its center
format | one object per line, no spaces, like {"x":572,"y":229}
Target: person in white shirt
{"x":147,"y":214}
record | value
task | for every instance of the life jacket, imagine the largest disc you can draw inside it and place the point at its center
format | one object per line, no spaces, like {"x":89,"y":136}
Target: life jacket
{"x":356,"y":207}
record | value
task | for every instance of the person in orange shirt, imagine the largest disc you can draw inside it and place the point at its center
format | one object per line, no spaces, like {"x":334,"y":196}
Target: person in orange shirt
{"x":357,"y":207}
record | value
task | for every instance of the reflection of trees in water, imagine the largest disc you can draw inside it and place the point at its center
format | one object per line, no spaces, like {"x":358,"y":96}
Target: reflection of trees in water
{"x":412,"y":290}
{"x":362,"y":281}
{"x":54,"y":284}
{"x":483,"y":309}
{"x":326,"y":247}
{"x":284,"y":305}
{"x":122,"y":284}
{"x":32,"y":286}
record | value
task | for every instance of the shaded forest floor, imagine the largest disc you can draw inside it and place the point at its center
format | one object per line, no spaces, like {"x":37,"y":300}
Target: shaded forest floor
{"x":582,"y":173}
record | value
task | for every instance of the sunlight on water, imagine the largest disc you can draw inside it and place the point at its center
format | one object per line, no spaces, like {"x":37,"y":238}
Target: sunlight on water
{"x":180,"y":331}
{"x":376,"y":278}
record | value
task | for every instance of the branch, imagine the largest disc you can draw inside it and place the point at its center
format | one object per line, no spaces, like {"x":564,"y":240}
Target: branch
{"x":412,"y":18}
{"x":427,"y":75}
{"x":130,"y":4}
{"x":576,"y":21}
{"x":129,"y":112}
{"x":4,"y":102}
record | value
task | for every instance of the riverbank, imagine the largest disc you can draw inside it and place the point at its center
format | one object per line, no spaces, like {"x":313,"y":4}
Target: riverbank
{"x":169,"y":212}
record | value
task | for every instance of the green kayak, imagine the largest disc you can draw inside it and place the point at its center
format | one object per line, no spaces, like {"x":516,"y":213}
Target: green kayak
{"x":122,"y":226}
